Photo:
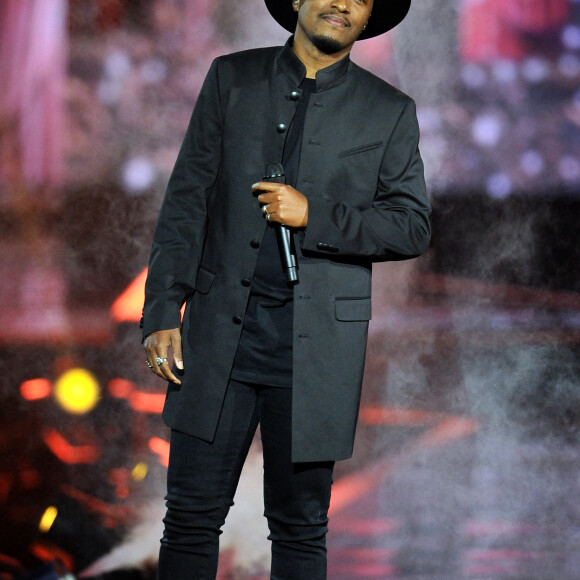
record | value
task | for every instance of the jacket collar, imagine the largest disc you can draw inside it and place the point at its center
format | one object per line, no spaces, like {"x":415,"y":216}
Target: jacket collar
{"x":326,"y":78}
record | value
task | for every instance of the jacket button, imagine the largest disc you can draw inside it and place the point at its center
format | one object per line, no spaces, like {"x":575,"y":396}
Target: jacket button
{"x":255,"y":244}
{"x":294,"y":95}
{"x":237,"y":319}
{"x":281,"y":128}
{"x":246,"y":282}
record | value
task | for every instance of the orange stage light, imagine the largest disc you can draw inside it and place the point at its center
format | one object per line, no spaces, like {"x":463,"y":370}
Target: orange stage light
{"x":147,"y":402}
{"x":121,"y":388}
{"x":68,"y":453}
{"x":128,"y":306}
{"x":399,"y":417}
{"x":51,"y":553}
{"x":160,"y":447}
{"x":10,"y":561}
{"x":35,"y":389}
{"x":111,"y":515}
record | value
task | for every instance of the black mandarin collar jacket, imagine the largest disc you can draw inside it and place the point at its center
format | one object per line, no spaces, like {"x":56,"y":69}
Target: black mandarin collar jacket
{"x":362,"y":173}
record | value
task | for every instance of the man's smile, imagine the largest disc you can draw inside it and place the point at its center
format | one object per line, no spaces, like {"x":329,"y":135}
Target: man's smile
{"x":336,"y":20}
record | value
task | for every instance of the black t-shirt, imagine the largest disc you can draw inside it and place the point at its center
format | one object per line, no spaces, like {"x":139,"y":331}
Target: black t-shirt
{"x":264,"y":354}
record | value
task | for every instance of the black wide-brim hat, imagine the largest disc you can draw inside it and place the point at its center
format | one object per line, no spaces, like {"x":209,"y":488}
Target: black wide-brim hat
{"x":386,"y":15}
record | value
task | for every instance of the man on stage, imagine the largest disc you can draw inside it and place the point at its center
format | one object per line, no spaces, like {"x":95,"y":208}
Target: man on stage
{"x":294,"y":155}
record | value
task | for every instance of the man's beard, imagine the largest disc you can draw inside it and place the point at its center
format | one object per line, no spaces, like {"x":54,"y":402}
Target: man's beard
{"x":326,"y":44}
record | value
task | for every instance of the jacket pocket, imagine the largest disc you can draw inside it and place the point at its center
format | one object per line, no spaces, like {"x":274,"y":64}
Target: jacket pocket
{"x":204,"y":281}
{"x":360,"y":149}
{"x":351,"y":309}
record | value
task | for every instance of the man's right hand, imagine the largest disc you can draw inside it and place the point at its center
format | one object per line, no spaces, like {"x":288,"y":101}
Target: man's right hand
{"x":157,"y":345}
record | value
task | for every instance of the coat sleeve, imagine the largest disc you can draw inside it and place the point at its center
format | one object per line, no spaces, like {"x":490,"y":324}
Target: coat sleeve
{"x":182,"y":224}
{"x":396,"y":226}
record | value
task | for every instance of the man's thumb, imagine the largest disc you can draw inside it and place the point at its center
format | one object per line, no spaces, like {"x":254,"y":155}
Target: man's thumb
{"x":177,"y":354}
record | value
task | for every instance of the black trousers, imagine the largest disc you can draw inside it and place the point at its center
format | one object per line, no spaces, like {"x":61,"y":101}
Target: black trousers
{"x":202,"y":479}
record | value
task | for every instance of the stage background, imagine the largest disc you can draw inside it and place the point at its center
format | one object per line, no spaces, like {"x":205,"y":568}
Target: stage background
{"x":95,"y":96}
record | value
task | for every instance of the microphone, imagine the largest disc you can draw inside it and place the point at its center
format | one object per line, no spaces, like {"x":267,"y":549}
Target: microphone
{"x":274,"y":172}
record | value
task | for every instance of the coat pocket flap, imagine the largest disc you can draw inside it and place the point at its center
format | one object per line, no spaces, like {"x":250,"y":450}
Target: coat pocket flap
{"x":350,"y":309}
{"x":360,"y":149}
{"x":204,"y":281}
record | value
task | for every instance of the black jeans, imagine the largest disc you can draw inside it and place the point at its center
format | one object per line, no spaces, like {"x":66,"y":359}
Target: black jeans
{"x":202,"y":479}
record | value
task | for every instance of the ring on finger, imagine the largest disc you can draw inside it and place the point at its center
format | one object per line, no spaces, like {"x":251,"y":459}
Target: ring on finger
{"x":265,"y":208}
{"x":149,"y":364}
{"x":159,"y":360}
{"x":268,"y":216}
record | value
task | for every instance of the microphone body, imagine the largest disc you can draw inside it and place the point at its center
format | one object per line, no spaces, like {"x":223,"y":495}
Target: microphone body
{"x":274,"y":172}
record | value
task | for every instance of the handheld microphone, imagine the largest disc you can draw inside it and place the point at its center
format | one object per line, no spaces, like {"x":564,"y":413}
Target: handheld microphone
{"x":274,"y":172}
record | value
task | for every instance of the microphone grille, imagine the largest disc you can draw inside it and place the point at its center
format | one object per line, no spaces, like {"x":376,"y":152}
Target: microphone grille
{"x":273,"y":170}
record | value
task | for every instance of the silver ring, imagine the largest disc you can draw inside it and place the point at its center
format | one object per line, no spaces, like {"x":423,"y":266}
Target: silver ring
{"x":149,"y":364}
{"x":265,"y":208}
{"x":267,"y":216}
{"x":160,"y":360}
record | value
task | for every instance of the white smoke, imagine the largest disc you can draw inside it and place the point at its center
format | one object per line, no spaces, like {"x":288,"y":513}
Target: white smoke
{"x":244,"y":534}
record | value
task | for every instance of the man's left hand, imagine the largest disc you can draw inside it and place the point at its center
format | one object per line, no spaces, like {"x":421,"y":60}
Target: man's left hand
{"x":284,"y":204}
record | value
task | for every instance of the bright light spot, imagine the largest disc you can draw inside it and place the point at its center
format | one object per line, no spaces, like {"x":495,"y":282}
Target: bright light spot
{"x":47,"y":519}
{"x":138,"y":174}
{"x":571,"y":37}
{"x":473,"y":76}
{"x":77,"y":391}
{"x":535,"y":70}
{"x":153,"y":71}
{"x":569,"y":168}
{"x":505,"y":71}
{"x":35,"y":389}
{"x":499,"y":185}
{"x":569,"y":65}
{"x":532,"y":163}
{"x":117,"y":65}
{"x":486,"y":130}
{"x":139,"y":472}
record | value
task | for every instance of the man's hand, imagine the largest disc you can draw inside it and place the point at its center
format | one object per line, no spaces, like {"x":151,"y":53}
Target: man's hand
{"x":156,"y":346}
{"x":284,"y":204}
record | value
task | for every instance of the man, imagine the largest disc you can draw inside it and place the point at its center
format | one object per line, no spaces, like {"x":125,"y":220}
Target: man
{"x":253,"y":347}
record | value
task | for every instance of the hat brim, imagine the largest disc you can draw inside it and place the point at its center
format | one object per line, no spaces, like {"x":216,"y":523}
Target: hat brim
{"x":386,"y":15}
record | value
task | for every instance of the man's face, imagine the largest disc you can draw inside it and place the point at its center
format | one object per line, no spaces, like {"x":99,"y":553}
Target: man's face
{"x":332,"y":25}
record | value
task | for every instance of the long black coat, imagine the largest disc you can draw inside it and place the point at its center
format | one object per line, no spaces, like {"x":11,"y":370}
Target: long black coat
{"x":361,"y":171}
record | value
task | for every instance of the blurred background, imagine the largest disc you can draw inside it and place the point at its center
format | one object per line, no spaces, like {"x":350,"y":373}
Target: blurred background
{"x":467,"y":461}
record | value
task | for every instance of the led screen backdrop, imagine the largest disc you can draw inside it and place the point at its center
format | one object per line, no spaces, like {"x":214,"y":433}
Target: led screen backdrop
{"x":100,"y":91}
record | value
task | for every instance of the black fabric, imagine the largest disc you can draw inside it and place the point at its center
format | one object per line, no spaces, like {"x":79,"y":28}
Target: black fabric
{"x":201,"y":483}
{"x":264,"y":353}
{"x":362,"y":173}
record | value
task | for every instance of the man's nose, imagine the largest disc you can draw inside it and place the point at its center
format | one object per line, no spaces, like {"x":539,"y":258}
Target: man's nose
{"x":341,"y":5}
